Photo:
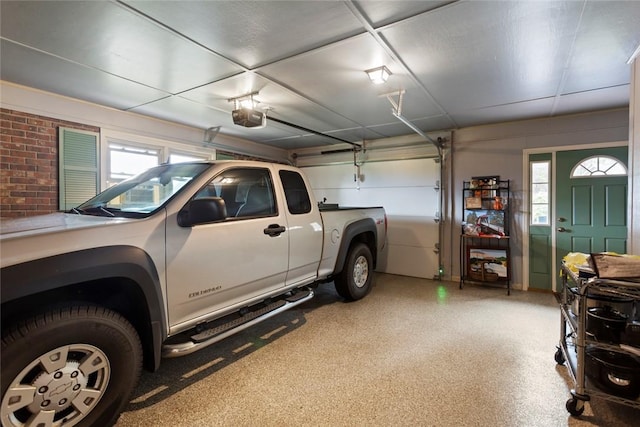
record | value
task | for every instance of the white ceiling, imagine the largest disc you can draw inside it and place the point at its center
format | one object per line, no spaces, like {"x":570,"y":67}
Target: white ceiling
{"x":460,"y":63}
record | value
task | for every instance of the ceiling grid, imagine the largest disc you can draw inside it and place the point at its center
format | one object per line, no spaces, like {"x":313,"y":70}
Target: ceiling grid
{"x":459,"y":63}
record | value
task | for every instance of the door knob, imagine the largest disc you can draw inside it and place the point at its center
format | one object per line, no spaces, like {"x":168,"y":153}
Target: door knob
{"x":561,"y":229}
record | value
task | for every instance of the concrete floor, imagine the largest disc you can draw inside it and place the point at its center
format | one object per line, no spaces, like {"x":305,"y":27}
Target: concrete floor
{"x":413,"y":353}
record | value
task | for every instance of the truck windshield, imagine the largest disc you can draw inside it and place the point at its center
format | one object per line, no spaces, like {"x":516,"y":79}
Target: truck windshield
{"x":144,"y":193}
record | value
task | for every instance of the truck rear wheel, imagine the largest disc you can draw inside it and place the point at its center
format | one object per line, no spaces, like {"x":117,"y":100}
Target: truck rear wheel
{"x":354,"y":281}
{"x":74,"y":366}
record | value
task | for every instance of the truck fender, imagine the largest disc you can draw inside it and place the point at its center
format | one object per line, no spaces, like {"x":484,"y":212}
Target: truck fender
{"x":351,"y":231}
{"x":47,"y":274}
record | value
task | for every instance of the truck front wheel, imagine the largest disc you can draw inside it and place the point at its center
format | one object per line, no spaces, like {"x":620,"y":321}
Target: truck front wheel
{"x":354,"y":281}
{"x":74,"y":366}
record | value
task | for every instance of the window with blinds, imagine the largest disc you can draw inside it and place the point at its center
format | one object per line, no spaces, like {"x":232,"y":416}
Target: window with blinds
{"x":79,"y":174}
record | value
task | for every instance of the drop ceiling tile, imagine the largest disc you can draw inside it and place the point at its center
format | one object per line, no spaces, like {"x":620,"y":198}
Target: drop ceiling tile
{"x":306,"y":139}
{"x":25,"y":66}
{"x":385,"y":12}
{"x":460,"y":63}
{"x":478,"y":54}
{"x":356,"y":135}
{"x":252,"y":33}
{"x":426,"y":124}
{"x":180,"y":110}
{"x":608,"y":35}
{"x":310,"y":116}
{"x":300,"y":141}
{"x":218,"y":94}
{"x":344,"y":87}
{"x":599,"y":99}
{"x":504,"y":113}
{"x":109,"y":37}
{"x":395,"y":127}
{"x":279,"y":101}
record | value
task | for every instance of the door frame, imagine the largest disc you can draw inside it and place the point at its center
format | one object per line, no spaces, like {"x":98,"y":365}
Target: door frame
{"x":525,"y":201}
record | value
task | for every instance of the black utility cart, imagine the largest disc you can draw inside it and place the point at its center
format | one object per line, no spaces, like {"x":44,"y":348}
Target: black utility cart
{"x":599,"y":338}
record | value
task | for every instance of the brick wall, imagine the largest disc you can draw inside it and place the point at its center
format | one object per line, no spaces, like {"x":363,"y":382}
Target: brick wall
{"x":29,"y":163}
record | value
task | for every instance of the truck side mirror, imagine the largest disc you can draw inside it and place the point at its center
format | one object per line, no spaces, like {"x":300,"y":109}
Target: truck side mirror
{"x":202,"y":211}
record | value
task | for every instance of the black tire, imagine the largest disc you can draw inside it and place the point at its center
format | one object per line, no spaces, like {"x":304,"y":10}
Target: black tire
{"x":559,"y":357}
{"x":79,"y":356}
{"x":572,"y":407}
{"x":354,"y":281}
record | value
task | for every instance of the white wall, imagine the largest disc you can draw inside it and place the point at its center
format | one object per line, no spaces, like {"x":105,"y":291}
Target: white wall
{"x":407,"y":191}
{"x":497,"y":150}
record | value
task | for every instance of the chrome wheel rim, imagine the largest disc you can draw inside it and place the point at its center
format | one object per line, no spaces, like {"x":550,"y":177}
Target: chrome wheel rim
{"x":360,"y":271}
{"x":57,"y":389}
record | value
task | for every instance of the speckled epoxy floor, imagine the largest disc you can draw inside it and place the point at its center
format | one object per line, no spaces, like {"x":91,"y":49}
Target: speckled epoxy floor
{"x":413,"y":353}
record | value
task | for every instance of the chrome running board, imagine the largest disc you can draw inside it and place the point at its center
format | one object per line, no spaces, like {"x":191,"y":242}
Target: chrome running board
{"x":212,"y":335}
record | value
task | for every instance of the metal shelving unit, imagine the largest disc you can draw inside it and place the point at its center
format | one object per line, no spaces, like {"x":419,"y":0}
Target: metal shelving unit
{"x":574,"y":340}
{"x":484,"y":242}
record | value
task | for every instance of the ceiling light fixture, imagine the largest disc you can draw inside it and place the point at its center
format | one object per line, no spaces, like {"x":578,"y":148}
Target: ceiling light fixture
{"x":248,"y":103}
{"x":378,"y":75}
{"x":245,"y":113}
{"x":245,"y":101}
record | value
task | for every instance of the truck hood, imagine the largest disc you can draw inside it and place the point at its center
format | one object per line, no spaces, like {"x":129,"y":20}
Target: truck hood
{"x":50,"y":223}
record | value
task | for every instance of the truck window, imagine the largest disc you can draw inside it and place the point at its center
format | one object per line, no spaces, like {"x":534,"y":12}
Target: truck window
{"x":247,"y":192}
{"x":295,"y":192}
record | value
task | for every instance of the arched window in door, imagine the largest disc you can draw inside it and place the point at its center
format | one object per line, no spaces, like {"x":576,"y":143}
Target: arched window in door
{"x":599,"y":166}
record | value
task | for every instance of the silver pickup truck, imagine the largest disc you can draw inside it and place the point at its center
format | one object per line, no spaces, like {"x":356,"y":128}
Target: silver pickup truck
{"x":161,"y":265}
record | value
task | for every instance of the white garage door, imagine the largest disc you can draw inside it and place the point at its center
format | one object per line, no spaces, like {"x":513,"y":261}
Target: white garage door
{"x":408,"y":191}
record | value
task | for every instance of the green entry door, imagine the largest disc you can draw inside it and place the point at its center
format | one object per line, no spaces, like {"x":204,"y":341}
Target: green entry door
{"x":591,"y":196}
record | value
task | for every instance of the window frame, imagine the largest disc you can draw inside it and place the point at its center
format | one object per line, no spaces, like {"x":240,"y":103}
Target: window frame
{"x":232,"y":215}
{"x":533,"y":183}
{"x":305,"y":204}
{"x":133,"y":146}
{"x":593,"y":173}
{"x":166,"y":147}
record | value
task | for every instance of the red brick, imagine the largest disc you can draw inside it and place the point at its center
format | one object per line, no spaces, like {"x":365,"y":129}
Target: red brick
{"x":48,"y":194}
{"x":38,"y":121}
{"x":20,"y":126}
{"x":48,"y":156}
{"x":14,"y":118}
{"x":12,"y":132}
{"x":14,"y":145}
{"x":28,"y":156}
{"x":39,"y":149}
{"x":14,"y":160}
{"x":21,"y":166}
{"x":28,"y":162}
{"x":19,"y":177}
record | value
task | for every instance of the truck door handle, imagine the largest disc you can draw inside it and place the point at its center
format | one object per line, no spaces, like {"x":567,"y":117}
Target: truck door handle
{"x":274,"y":230}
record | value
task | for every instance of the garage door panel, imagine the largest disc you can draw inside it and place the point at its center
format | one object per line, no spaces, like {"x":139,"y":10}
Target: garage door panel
{"x":407,"y":189}
{"x":411,"y":261}
{"x":399,"y":173}
{"x":396,"y":201}
{"x":411,"y":231}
